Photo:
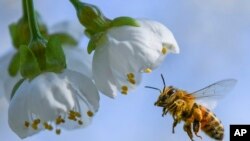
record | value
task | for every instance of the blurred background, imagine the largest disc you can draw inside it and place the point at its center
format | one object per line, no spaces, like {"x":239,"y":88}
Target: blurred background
{"x":214,"y":38}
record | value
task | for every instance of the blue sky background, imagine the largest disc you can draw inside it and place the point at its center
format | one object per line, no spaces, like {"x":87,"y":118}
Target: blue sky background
{"x":214,"y":38}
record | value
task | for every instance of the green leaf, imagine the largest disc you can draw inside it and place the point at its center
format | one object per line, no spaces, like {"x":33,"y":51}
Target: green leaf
{"x":14,"y":64}
{"x":29,"y":66}
{"x":17,"y":85}
{"x":64,"y":38}
{"x":55,"y":58}
{"x":124,"y":21}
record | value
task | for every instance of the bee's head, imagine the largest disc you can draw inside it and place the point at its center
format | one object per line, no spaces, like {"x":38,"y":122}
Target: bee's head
{"x":165,"y":94}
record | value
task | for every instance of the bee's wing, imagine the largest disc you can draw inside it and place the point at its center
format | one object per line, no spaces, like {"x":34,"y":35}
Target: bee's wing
{"x":209,"y":95}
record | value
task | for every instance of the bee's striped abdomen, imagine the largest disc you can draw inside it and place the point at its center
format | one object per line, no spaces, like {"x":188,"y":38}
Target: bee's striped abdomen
{"x":211,"y":125}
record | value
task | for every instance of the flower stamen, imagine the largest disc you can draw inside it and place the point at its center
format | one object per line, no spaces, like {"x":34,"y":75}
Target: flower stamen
{"x":59,"y":120}
{"x":147,"y":70}
{"x":58,"y":131}
{"x":164,"y":50}
{"x":124,"y":90}
{"x":47,"y":126}
{"x":90,"y":113}
{"x":26,"y":124}
{"x":131,"y":78}
{"x":35,"y":124}
{"x":80,"y":122}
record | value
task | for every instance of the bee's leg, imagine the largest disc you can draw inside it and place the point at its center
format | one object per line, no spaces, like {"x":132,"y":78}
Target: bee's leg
{"x":164,"y":111}
{"x":174,"y":125}
{"x":187,"y":128}
{"x":197,"y":119}
{"x":177,"y":112}
{"x":196,"y":128}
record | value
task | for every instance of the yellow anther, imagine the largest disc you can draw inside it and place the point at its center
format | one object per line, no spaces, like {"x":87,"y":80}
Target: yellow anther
{"x":72,"y":117}
{"x":90,"y":114}
{"x":164,"y":50}
{"x":47,"y":126}
{"x":147,"y":70}
{"x":124,"y":89}
{"x":80,"y":122}
{"x":36,"y":121}
{"x":59,"y":120}
{"x":132,"y":81}
{"x":130,"y":76}
{"x":58,"y":131}
{"x":34,"y":126}
{"x":26,"y":124}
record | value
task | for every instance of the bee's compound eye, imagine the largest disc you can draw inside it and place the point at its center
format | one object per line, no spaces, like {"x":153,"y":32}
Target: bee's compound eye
{"x":171,"y":91}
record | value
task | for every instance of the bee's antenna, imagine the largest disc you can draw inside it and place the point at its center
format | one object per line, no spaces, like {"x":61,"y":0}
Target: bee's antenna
{"x":163,"y":80}
{"x":153,"y":88}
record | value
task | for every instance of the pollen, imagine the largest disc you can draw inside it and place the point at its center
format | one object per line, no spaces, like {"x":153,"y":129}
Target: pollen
{"x":131,"y":78}
{"x":59,"y":120}
{"x":26,"y":124}
{"x":147,"y":70}
{"x":124,"y":90}
{"x":90,"y":114}
{"x":164,"y":50}
{"x":35,"y":124}
{"x":58,"y":131}
{"x":47,"y":126}
{"x":80,"y":122}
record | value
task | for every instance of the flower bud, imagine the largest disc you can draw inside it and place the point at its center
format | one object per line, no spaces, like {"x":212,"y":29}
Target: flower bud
{"x":90,"y":17}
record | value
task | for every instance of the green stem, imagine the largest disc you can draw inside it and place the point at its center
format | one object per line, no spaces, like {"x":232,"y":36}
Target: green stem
{"x":25,"y":14}
{"x":35,"y":33}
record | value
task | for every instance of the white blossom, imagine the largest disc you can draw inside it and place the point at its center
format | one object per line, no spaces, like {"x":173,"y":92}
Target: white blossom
{"x":124,"y":52}
{"x":53,"y":101}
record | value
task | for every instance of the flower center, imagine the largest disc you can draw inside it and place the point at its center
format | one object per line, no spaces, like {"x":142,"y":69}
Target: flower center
{"x":71,"y":115}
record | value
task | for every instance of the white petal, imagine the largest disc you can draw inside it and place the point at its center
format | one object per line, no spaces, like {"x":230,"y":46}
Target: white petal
{"x":142,"y":46}
{"x":87,"y":91}
{"x":78,"y":60}
{"x":102,"y":73}
{"x":162,"y":32}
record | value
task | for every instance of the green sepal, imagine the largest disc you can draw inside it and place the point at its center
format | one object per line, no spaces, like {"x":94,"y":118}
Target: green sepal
{"x":29,"y":67}
{"x":64,"y":38}
{"x":55,"y":58}
{"x":20,"y":33}
{"x":14,"y":64}
{"x":94,"y":41}
{"x":16,"y":86}
{"x":124,"y":21}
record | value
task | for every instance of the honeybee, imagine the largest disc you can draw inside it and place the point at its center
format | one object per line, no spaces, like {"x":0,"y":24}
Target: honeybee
{"x":193,"y":108}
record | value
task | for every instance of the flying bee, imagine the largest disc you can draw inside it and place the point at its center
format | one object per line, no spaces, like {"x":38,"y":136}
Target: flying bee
{"x":193,"y":108}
